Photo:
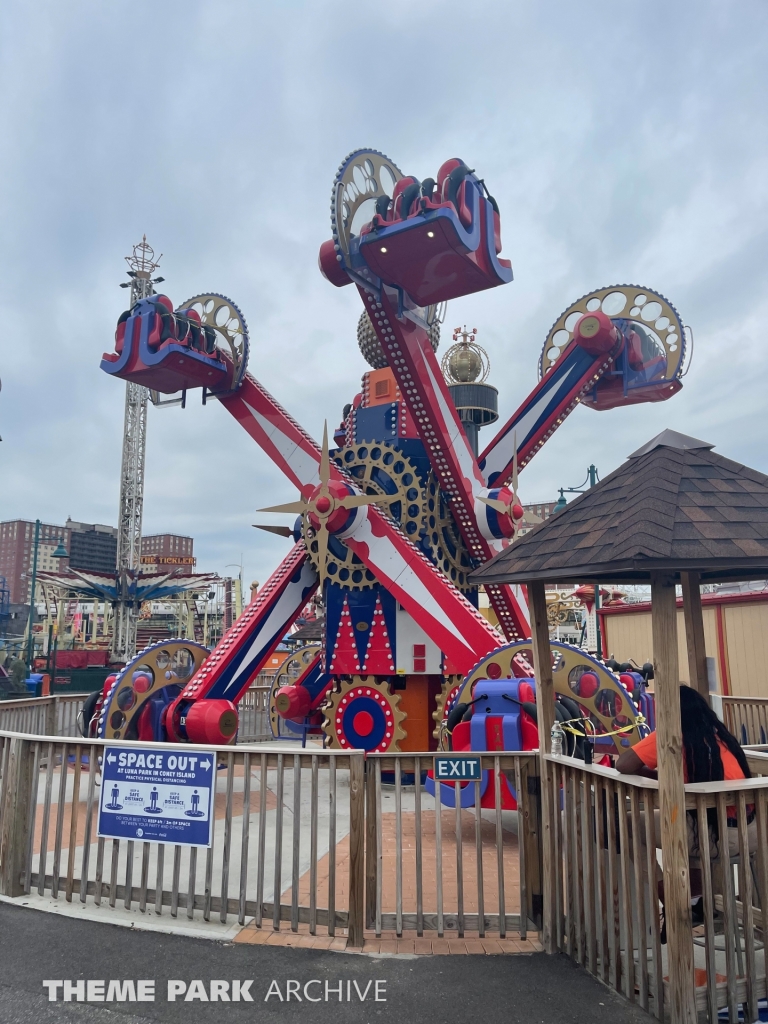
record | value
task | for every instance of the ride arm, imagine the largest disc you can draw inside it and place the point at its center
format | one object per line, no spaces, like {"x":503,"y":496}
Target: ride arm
{"x":245,"y":647}
{"x":432,"y":601}
{"x":426,"y":395}
{"x":555,"y":396}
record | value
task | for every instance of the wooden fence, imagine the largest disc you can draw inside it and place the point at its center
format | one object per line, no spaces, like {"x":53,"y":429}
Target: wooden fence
{"x":58,"y":715}
{"x":607,"y":916}
{"x":278,"y":815}
{"x":299,"y":837}
{"x":460,"y":870}
{"x":46,"y":716}
{"x":746,"y":718}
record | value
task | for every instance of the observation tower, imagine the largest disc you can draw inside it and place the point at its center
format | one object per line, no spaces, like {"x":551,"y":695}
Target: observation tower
{"x":466,"y":367}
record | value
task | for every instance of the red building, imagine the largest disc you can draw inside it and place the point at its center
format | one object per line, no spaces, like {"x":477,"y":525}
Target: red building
{"x":167,"y":549}
{"x":17,"y":549}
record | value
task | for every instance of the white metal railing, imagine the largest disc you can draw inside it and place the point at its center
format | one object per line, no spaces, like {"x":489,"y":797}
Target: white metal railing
{"x":58,"y":715}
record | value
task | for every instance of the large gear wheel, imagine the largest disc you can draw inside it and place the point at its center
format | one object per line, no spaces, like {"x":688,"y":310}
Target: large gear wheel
{"x":171,"y":663}
{"x":604,"y":699}
{"x":653,"y":314}
{"x":363,"y":177}
{"x":289,"y":672}
{"x":444,"y":702}
{"x":221,"y":313}
{"x":381,"y":469}
{"x":363,"y":714}
{"x":448,"y":548}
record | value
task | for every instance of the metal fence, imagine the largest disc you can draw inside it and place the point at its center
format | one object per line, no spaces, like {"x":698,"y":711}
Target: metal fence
{"x":58,"y":715}
{"x":253,"y":709}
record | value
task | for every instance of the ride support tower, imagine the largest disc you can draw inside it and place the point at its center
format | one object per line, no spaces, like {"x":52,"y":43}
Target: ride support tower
{"x":142,"y":264}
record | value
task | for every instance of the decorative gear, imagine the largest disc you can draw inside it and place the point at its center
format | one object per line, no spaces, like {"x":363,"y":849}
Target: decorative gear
{"x":650,"y":311}
{"x":370,"y":345}
{"x":220,"y":313}
{"x":377,"y":469}
{"x":171,"y":663}
{"x":363,"y":714}
{"x":444,"y":702}
{"x":325,"y":512}
{"x":363,"y":177}
{"x":448,"y":548}
{"x":602,"y":695}
{"x":289,"y":672}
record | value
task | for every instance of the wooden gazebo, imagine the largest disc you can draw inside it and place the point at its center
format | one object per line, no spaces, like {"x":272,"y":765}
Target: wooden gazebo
{"x":674,"y":513}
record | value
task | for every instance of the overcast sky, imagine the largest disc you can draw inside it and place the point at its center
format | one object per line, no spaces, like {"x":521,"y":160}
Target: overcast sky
{"x":624,"y":142}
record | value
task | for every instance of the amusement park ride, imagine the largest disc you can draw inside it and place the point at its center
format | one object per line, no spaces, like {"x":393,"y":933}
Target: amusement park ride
{"x":392,"y":520}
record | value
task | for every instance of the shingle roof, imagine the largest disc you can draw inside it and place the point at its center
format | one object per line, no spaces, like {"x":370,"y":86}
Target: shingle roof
{"x":672,"y":506}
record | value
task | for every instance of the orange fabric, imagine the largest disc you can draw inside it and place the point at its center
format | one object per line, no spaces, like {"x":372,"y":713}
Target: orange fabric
{"x":646,"y":751}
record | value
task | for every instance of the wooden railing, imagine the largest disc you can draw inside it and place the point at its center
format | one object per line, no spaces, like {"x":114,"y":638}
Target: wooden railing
{"x":321,"y":840}
{"x":604,"y":849}
{"x":607,"y":913}
{"x":46,"y":716}
{"x":431,"y":867}
{"x":58,"y":715}
{"x":746,"y":718}
{"x":277,"y":815}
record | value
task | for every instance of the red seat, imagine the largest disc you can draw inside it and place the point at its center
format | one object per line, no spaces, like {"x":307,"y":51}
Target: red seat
{"x":405,"y":196}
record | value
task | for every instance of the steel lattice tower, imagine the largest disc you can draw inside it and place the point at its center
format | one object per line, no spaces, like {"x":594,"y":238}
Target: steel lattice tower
{"x":142,"y":263}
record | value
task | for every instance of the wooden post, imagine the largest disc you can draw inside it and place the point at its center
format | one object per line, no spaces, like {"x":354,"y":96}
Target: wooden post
{"x":694,"y":633}
{"x":14,"y":837}
{"x":50,"y":716}
{"x":531,"y":839}
{"x":356,"y":849}
{"x":371,"y":860}
{"x":545,"y":708}
{"x":674,"y":834}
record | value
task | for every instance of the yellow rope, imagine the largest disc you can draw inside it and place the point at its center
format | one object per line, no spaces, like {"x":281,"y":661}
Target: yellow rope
{"x":567,"y":727}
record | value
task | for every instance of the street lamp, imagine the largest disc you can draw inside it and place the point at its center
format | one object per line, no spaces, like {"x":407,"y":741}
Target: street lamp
{"x":61,"y":551}
{"x":30,"y":641}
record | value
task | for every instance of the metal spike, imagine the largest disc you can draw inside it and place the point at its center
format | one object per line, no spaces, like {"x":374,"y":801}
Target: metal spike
{"x":291,"y":506}
{"x":494,"y":503}
{"x":281,"y":531}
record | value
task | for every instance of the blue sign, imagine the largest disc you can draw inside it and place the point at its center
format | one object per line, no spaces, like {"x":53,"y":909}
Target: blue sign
{"x":157,"y":794}
{"x":453,"y":768}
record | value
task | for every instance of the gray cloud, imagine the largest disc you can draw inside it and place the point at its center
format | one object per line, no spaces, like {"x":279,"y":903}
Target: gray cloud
{"x":624,"y":142}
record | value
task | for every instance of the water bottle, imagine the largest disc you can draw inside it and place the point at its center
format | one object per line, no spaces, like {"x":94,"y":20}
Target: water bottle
{"x":558,"y":739}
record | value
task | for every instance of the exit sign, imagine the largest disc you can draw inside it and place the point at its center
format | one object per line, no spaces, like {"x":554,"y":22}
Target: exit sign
{"x":449,"y":768}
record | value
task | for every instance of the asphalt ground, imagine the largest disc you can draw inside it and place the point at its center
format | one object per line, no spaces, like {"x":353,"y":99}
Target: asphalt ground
{"x":37,"y":946}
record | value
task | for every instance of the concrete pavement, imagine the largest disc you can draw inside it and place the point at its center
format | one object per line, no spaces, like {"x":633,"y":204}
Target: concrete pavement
{"x":522,"y":989}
